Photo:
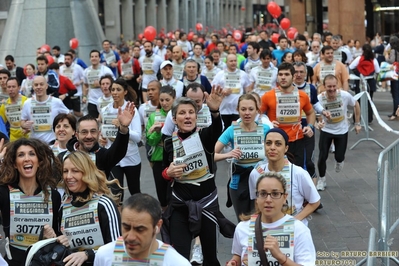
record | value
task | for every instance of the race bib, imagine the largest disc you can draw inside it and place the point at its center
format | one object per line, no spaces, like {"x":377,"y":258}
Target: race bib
{"x":326,"y":70}
{"x":108,"y":130}
{"x":92,"y":76}
{"x":335,"y":107}
{"x":285,"y":238}
{"x":233,"y":82}
{"x":81,"y":225}
{"x":110,"y":57}
{"x":264,"y":80}
{"x":41,"y":116}
{"x":251,"y":144}
{"x":68,"y":72}
{"x":127,"y":68}
{"x":147,"y":65}
{"x":13,"y":114}
{"x":28,"y":215}
{"x":191,"y":152}
{"x":178,"y":71}
{"x":288,"y":107}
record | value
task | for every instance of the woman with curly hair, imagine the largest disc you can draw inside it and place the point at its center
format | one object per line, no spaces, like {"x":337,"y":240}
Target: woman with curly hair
{"x":90,"y":217}
{"x":28,"y":198}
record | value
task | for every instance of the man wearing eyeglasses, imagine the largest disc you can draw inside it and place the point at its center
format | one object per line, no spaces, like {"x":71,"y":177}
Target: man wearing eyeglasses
{"x":313,"y":55}
{"x":87,"y":135}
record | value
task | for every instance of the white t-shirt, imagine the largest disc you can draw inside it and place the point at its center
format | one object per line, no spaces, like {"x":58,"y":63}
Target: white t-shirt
{"x":57,"y":107}
{"x":132,"y":154}
{"x":176,"y":84}
{"x":95,"y":93}
{"x":210,"y":74}
{"x":302,"y":187}
{"x":77,"y":75}
{"x":304,"y":250}
{"x":343,"y":126}
{"x":253,"y":77}
{"x":105,"y":255}
{"x":156,"y":63}
{"x":229,"y":103}
{"x":185,"y":45}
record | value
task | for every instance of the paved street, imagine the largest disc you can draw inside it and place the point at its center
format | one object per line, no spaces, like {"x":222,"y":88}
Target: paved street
{"x":350,"y":200}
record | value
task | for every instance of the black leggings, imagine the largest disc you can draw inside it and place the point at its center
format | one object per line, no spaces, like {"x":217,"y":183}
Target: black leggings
{"x":340,"y":142}
{"x":162,"y":186}
{"x":241,"y":206}
{"x":309,"y":144}
{"x":132,"y":176}
{"x":297,"y":149}
{"x":180,"y":235}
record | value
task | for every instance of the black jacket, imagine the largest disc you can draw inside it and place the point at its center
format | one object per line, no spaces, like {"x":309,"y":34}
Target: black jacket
{"x":106,"y":159}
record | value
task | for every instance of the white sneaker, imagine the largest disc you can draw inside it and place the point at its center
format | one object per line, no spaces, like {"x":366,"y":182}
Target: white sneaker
{"x":339,"y":166}
{"x":321,"y":184}
{"x":197,"y":257}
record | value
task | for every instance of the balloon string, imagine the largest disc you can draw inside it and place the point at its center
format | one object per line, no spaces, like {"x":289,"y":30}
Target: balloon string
{"x":278,"y":24}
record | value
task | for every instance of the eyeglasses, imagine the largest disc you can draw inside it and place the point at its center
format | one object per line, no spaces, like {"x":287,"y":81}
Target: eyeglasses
{"x":85,"y":132}
{"x":273,"y":195}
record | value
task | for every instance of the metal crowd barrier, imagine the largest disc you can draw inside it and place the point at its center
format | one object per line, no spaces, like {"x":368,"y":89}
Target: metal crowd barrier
{"x":388,"y":205}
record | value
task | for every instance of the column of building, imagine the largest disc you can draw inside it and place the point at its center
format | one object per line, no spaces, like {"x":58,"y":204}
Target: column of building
{"x":151,"y":13}
{"x":127,"y":20}
{"x":173,"y":15}
{"x":161,"y":15}
{"x":112,"y":22}
{"x":139,"y":16}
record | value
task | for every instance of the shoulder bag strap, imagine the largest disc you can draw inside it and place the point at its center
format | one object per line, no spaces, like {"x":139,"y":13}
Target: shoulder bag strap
{"x":260,"y":241}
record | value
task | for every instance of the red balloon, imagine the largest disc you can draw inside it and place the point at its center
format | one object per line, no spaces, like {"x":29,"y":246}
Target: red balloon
{"x":285,"y":23}
{"x":140,"y":36}
{"x":199,"y":27}
{"x":73,"y":43}
{"x":45,"y":48}
{"x":190,"y":35}
{"x":237,"y":35}
{"x":50,"y":60}
{"x":170,"y":35}
{"x":150,"y":33}
{"x":275,"y":37}
{"x":200,"y":40}
{"x":291,"y":34}
{"x":274,"y":9}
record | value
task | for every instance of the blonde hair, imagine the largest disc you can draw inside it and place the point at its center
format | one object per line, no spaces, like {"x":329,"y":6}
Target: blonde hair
{"x":95,"y":179}
{"x":249,"y":97}
{"x":279,"y":178}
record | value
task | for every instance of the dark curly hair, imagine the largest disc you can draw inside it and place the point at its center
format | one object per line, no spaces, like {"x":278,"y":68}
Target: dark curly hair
{"x":48,"y":173}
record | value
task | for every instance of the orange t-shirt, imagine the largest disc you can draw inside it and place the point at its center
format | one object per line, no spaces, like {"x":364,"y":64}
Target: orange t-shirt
{"x":269,"y":105}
